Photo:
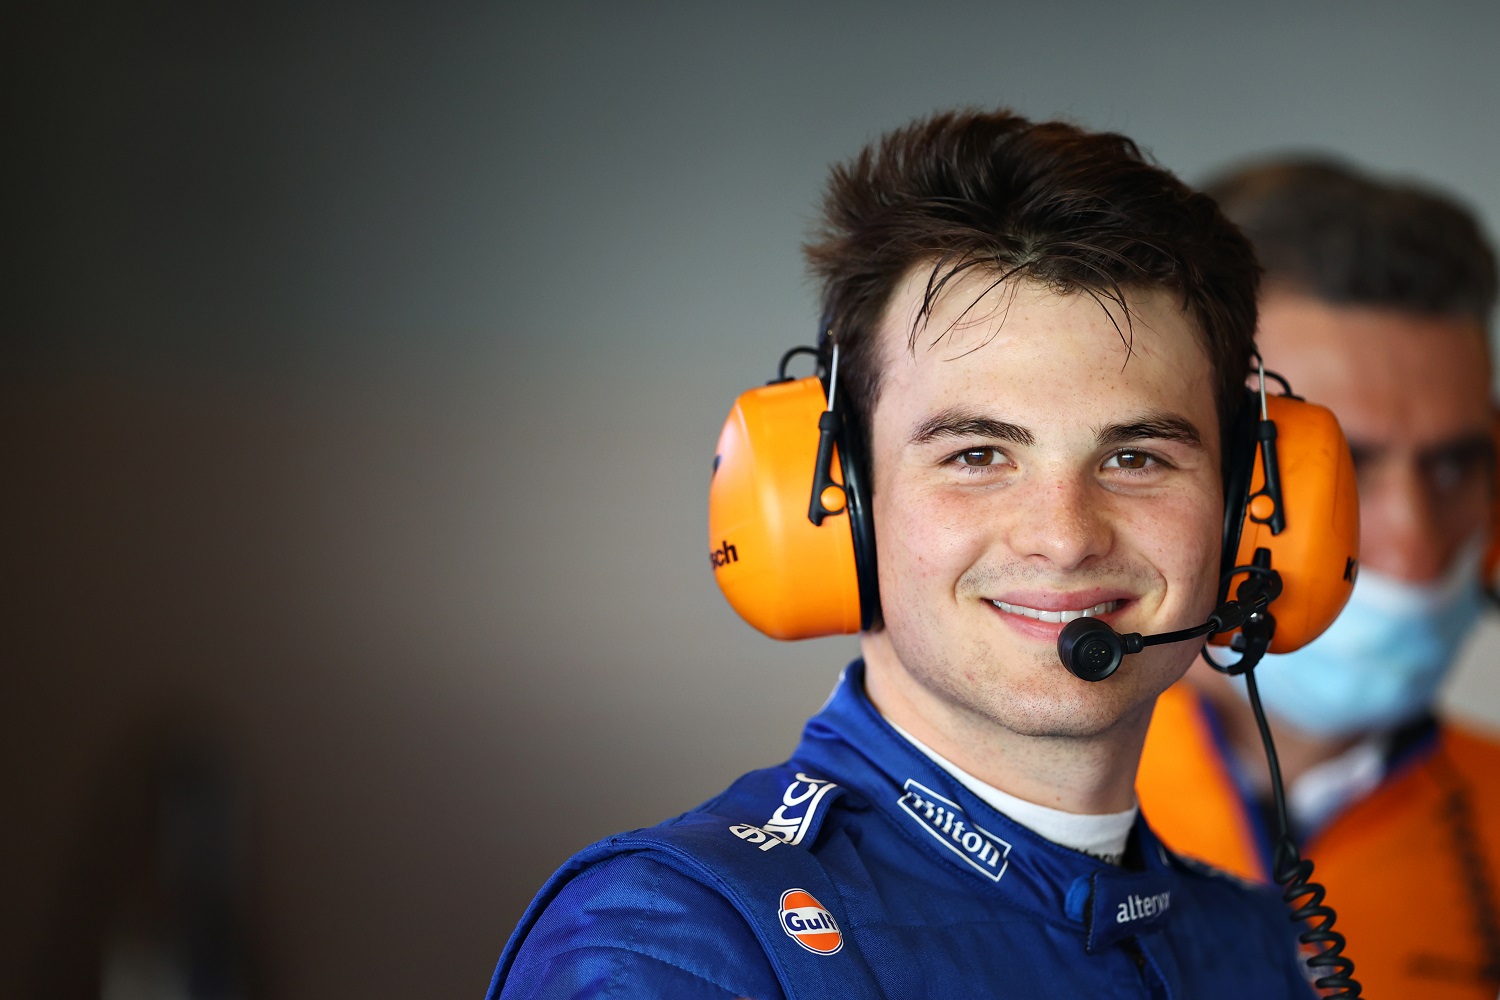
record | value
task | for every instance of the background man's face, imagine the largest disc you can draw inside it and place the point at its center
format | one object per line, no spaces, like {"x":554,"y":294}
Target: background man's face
{"x":1413,"y":396}
{"x":1022,"y":455}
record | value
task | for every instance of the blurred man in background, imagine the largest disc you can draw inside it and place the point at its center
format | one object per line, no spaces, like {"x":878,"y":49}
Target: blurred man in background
{"x":1375,"y":303}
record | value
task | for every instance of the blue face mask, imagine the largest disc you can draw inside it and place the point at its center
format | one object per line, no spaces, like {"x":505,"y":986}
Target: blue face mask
{"x":1381,"y":661}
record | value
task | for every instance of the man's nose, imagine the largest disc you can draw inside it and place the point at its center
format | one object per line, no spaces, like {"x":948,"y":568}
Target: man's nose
{"x":1403,"y":533}
{"x":1061,"y":519}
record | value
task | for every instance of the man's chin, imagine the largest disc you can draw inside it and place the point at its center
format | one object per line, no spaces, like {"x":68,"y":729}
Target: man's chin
{"x":1053,"y":703}
{"x":1047,"y":722}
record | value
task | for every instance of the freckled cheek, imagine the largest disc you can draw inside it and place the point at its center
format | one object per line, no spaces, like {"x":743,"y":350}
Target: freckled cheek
{"x":1182,"y":540}
{"x":928,"y":535}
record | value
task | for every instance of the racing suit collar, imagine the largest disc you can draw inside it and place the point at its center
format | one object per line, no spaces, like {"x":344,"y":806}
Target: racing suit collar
{"x":849,"y":742}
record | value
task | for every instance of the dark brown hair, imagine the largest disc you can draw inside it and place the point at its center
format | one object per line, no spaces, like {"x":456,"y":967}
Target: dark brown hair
{"x":1047,"y":202}
{"x":1328,"y":230}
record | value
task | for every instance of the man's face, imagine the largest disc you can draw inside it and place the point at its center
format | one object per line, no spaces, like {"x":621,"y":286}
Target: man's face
{"x":1413,"y":396}
{"x":1026,"y":463}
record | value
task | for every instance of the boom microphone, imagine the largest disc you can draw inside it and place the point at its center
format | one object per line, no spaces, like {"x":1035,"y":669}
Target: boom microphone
{"x":1092,"y":650}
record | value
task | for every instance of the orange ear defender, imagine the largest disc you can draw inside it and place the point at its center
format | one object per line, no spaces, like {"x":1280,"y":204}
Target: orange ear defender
{"x":1292,"y":504}
{"x":790,"y":537}
{"x":792,"y":543}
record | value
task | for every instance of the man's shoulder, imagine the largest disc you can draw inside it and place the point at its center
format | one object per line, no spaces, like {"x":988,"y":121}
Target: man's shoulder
{"x":1218,"y":911}
{"x":1219,"y":892}
{"x":631,"y":923}
{"x":670,"y":900}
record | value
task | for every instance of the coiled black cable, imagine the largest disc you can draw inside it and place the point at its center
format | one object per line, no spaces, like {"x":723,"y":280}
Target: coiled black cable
{"x":1294,"y":874}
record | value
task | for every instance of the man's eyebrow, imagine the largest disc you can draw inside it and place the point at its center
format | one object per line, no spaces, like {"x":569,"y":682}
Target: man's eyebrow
{"x":958,"y":422}
{"x":1476,"y":446}
{"x":1153,"y":427}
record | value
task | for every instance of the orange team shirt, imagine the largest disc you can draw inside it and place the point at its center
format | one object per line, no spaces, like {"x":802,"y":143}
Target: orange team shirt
{"x":1397,"y":864}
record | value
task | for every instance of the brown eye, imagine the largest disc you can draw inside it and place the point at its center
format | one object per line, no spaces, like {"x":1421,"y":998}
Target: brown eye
{"x":1459,"y":468}
{"x":977,"y":457}
{"x":1133,"y":460}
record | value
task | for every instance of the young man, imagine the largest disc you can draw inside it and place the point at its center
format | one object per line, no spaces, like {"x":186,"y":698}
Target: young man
{"x":1041,"y":337}
{"x":1375,"y":304}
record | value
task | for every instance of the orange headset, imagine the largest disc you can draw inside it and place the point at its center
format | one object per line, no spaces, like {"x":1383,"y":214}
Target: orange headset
{"x":792,"y":542}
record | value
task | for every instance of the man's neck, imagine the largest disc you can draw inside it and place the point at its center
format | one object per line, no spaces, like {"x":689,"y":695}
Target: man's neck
{"x":1296,"y":751}
{"x":1102,"y":835}
{"x":1085,"y":775}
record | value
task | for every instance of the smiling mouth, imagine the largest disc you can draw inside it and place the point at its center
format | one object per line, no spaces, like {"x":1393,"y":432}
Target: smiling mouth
{"x":1057,"y":616}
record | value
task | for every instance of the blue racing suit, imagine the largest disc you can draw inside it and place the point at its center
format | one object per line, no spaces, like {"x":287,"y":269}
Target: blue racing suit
{"x":862,"y":869}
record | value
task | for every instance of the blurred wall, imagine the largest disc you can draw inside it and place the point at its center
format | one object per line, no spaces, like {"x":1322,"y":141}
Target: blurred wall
{"x":363,"y":375}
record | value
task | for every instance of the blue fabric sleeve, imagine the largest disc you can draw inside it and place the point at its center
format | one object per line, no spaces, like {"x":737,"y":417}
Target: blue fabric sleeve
{"x":633,"y":927}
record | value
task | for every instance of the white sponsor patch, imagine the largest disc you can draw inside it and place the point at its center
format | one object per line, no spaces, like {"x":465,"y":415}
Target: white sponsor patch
{"x":950,"y":826}
{"x":1138,"y":907}
{"x":799,"y":806}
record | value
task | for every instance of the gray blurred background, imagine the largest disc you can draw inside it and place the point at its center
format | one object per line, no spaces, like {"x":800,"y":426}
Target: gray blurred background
{"x":363,"y":373}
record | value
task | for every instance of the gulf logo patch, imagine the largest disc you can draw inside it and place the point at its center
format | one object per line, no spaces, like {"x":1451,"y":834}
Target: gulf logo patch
{"x":807,"y":923}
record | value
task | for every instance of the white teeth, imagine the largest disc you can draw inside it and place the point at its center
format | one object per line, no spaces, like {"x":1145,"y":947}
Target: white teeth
{"x":1057,"y":616}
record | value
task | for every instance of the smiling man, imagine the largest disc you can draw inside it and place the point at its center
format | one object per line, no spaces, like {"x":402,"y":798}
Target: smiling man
{"x":1032,"y":465}
{"x":1042,"y":337}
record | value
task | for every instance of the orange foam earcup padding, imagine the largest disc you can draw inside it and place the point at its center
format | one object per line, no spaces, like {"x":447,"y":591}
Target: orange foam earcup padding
{"x":1317,"y":552}
{"x":786,"y":576}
